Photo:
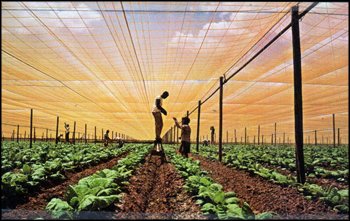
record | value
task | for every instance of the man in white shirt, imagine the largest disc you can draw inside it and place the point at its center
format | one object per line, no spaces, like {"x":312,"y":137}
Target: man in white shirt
{"x":157,"y":114}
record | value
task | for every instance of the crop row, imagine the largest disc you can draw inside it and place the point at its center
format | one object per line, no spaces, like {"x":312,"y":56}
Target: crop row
{"x":47,"y":162}
{"x":330,"y":194}
{"x":98,"y":191}
{"x":209,"y":194}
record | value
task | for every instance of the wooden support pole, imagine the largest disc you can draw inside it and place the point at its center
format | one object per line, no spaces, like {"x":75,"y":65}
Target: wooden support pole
{"x":271,"y":139}
{"x":275,"y":134}
{"x":298,"y":101}
{"x":75,"y":124}
{"x":47,"y":135}
{"x":31,"y":127}
{"x":177,"y":135}
{"x":226,"y":137}
{"x":262,"y":139}
{"x":58,"y":119}
{"x":13,"y":135}
{"x":254,"y":139}
{"x":85,"y":132}
{"x":25,"y":135}
{"x":198,"y":124}
{"x":259,"y":135}
{"x":17,"y":133}
{"x":220,"y":118}
{"x":102,"y":134}
{"x":245,"y":136}
{"x":333,"y":130}
{"x":315,"y":138}
{"x":235,"y":137}
{"x":95,"y":136}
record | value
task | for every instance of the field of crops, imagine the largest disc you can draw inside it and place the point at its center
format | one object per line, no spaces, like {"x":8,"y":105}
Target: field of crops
{"x":90,"y":181}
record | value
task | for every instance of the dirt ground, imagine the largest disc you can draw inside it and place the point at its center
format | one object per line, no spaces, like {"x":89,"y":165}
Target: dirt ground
{"x":155,"y":192}
{"x":263,"y":195}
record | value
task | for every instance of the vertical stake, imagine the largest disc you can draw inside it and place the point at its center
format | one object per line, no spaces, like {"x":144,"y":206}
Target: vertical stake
{"x":17,"y":133}
{"x":333,"y":130}
{"x":58,"y":119}
{"x":74,"y":132}
{"x":220,"y":119}
{"x":85,"y":133}
{"x":198,"y":124}
{"x":259,"y":135}
{"x":298,"y":101}
{"x":31,"y":127}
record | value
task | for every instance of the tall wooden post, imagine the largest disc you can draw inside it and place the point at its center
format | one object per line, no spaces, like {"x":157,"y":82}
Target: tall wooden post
{"x":275,"y":134}
{"x":31,"y":127}
{"x":254,"y":139}
{"x":235,"y":137}
{"x":102,"y":134}
{"x":333,"y":130}
{"x":298,"y":100}
{"x":95,"y":135}
{"x":315,"y":137}
{"x":74,"y":132}
{"x":13,"y":135}
{"x":271,"y":139}
{"x":58,"y":119}
{"x":259,"y":135}
{"x":220,"y":118}
{"x":262,"y":139}
{"x":17,"y":133}
{"x":177,"y":135}
{"x":198,"y":124}
{"x":47,"y":135}
{"x":245,"y":136}
{"x":85,"y":132}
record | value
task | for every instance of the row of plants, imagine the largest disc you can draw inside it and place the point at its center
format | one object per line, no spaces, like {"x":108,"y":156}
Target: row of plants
{"x":19,"y":182}
{"x":338,"y":199}
{"x":225,"y":205}
{"x":98,"y":191}
{"x":284,"y":157}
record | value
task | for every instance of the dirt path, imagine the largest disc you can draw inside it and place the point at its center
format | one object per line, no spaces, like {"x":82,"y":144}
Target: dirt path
{"x":263,"y":195}
{"x":40,"y":200}
{"x":155,"y":192}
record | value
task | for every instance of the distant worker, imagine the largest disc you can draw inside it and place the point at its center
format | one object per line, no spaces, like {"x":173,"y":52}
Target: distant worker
{"x":205,"y":142}
{"x":185,"y":147}
{"x":157,"y":113}
{"x":106,"y":138}
{"x":66,"y":126}
{"x":59,"y":138}
{"x":212,"y":135}
{"x":120,"y":141}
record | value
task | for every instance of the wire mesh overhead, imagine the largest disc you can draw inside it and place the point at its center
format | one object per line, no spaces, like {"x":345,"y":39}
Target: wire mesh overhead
{"x":103,"y":63}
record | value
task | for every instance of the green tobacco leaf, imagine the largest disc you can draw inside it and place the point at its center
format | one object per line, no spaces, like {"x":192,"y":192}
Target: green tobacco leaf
{"x":232,"y":200}
{"x":248,"y":212}
{"x":234,"y":211}
{"x":218,"y":197}
{"x":94,"y":203}
{"x":210,"y":208}
{"x":59,"y":208}
{"x":230,"y":194}
{"x":265,"y":215}
{"x":26,"y":169}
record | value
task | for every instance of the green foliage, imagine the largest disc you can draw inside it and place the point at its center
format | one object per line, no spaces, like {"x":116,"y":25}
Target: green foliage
{"x":101,"y":189}
{"x":209,"y":194}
